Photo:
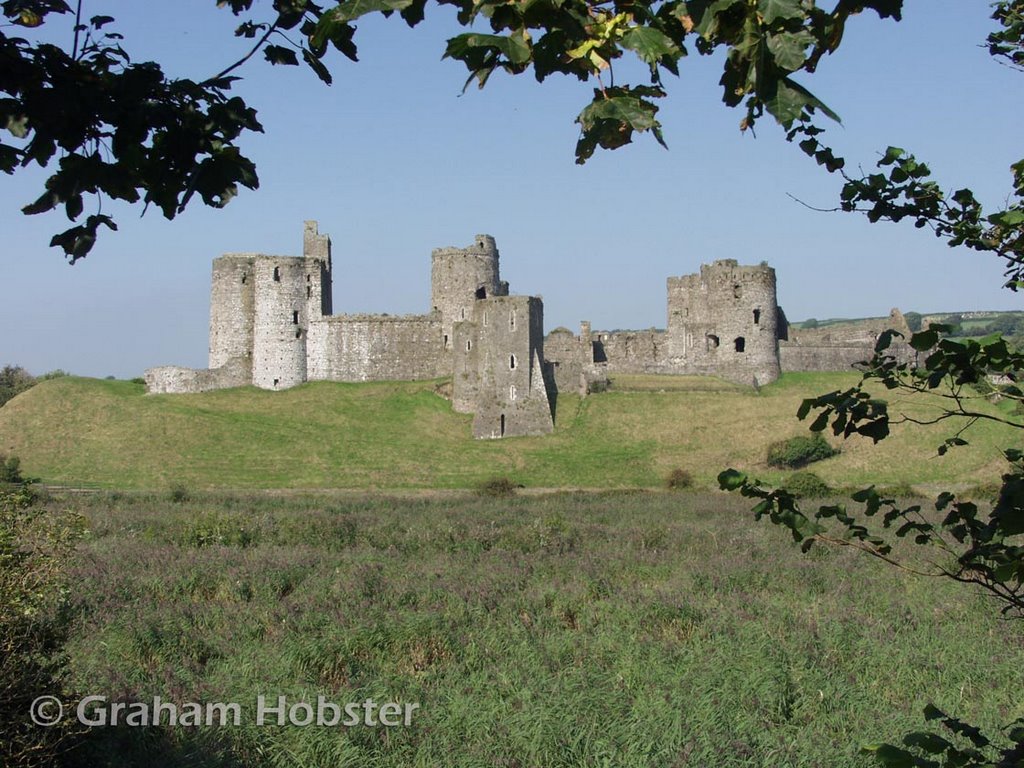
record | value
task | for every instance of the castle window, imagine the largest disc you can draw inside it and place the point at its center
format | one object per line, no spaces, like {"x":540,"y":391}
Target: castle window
{"x":757,"y":316}
{"x":309,"y":278}
{"x":741,"y":344}
{"x":295,"y":317}
{"x":512,"y":320}
{"x":298,"y":334}
{"x":276,"y":381}
{"x":309,"y":292}
{"x":737,"y":291}
{"x":511,"y":362}
{"x":481,"y":292}
{"x":469,"y":345}
{"x":712,"y":341}
{"x":446,"y":341}
{"x":502,"y":434}
{"x":485,"y":319}
{"x":463,"y":313}
{"x":277,"y":274}
{"x":243,"y":278}
{"x":512,"y":393}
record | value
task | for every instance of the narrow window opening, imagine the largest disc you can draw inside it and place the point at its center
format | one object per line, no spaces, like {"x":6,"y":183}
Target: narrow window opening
{"x":275,"y":382}
{"x":309,"y":278}
{"x":485,"y":319}
{"x":511,"y":362}
{"x":512,"y":321}
{"x":309,"y":292}
{"x":502,"y":425}
{"x":298,"y":334}
{"x":512,"y":393}
{"x":295,"y":317}
{"x":737,"y":291}
{"x":463,"y":313}
{"x":277,"y":274}
{"x":446,"y":341}
{"x":757,"y":316}
{"x":469,"y":345}
{"x":741,"y":344}
{"x":243,"y":278}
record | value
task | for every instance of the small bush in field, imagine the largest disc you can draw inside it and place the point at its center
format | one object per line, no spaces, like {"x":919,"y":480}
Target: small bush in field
{"x":797,"y":452}
{"x":10,"y":469}
{"x":806,"y":484}
{"x":499,"y":487}
{"x":179,"y":494}
{"x":678,"y":479}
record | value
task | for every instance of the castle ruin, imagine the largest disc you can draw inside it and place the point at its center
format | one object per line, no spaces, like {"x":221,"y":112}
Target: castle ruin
{"x":272,"y":326}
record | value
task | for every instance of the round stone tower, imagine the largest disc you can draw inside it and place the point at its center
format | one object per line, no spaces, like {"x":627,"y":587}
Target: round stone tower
{"x":281,"y":322}
{"x":461,"y":276}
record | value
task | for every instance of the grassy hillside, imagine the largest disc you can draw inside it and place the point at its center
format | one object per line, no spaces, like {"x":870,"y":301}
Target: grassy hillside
{"x":403,"y":435}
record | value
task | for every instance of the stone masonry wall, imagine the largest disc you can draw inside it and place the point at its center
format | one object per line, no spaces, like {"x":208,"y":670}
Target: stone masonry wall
{"x":722,"y":322}
{"x":458,"y":278}
{"x":280,"y":323}
{"x":375,"y":348}
{"x":173,"y":379}
{"x":511,"y":396}
{"x":232,"y":308}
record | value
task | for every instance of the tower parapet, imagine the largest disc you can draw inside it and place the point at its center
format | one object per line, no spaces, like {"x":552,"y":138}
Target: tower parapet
{"x":461,"y":276}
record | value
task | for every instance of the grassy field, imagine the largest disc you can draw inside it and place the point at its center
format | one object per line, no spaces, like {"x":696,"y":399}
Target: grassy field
{"x":108,"y":434}
{"x":617,"y":629}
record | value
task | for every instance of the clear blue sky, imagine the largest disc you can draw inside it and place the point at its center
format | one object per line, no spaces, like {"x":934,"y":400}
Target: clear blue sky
{"x":393,"y":162}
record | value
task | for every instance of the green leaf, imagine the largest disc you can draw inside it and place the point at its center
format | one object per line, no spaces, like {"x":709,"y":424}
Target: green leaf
{"x":317,"y":66}
{"x":731,"y":479}
{"x":773,"y":10}
{"x":890,"y":756}
{"x":277,"y":54}
{"x":650,"y":44}
{"x":350,"y":10}
{"x":789,"y":48}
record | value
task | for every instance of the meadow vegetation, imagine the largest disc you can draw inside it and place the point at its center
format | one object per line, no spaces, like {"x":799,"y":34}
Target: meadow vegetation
{"x":627,"y":629}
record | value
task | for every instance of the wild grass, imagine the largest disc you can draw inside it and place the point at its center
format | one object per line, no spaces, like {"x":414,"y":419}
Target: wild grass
{"x":395,"y":435}
{"x":619,"y":629}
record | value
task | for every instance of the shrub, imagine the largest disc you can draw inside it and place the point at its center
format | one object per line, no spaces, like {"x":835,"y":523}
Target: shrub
{"x":35,"y":545}
{"x":499,"y":487}
{"x":806,"y":485}
{"x":10,"y":469}
{"x":179,"y":494}
{"x":799,"y":451}
{"x":678,"y":479}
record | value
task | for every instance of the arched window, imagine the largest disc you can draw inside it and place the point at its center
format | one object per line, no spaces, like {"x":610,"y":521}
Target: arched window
{"x":511,"y":362}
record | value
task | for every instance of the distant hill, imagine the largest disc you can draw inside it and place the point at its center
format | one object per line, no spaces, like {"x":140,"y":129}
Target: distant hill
{"x":89,"y":432}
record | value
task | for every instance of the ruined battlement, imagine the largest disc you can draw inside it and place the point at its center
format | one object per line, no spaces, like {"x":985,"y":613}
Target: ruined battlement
{"x":272,"y":326}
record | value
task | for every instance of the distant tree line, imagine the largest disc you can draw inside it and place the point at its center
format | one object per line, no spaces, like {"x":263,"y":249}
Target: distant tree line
{"x":1011,"y":324}
{"x":14,"y":380}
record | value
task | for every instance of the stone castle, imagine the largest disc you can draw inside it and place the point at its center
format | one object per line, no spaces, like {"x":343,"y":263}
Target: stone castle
{"x":272,"y":326}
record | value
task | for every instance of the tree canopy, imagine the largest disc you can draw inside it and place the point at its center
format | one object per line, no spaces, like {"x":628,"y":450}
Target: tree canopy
{"x":109,"y":126}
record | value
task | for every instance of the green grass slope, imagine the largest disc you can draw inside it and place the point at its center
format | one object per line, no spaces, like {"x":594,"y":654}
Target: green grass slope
{"x":403,"y":435}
